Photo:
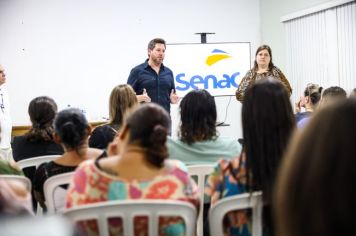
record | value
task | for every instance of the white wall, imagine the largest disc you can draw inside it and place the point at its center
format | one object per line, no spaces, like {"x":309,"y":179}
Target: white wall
{"x":272,"y":29}
{"x":77,"y":50}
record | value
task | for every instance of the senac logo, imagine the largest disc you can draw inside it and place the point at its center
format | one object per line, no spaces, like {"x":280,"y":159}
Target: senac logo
{"x":202,"y":81}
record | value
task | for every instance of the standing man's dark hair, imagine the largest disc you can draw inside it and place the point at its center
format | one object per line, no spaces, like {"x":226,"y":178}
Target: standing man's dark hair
{"x":153,"y":42}
{"x":151,"y":80}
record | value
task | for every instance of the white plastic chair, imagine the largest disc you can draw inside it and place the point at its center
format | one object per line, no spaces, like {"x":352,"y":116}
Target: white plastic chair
{"x":26,"y":181}
{"x":54,"y":194}
{"x":238,"y":202}
{"x":200,"y":171}
{"x":36,"y":161}
{"x":127,"y":210}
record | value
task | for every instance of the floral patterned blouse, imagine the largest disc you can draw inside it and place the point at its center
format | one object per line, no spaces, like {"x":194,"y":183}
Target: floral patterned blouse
{"x":252,"y":76}
{"x":90,"y":184}
{"x":229,"y":179}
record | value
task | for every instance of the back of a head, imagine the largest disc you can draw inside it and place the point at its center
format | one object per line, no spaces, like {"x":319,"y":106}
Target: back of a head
{"x":72,"y":127}
{"x":333,"y":94}
{"x":198,"y":117}
{"x":267,"y":121}
{"x":42,"y":111}
{"x":148,"y":126}
{"x":316,"y":185}
{"x":122,"y":98}
{"x":313,"y":91}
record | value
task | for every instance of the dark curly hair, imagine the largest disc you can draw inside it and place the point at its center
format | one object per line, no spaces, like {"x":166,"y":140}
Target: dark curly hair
{"x":42,"y":111}
{"x":148,"y":127}
{"x":198,"y":117}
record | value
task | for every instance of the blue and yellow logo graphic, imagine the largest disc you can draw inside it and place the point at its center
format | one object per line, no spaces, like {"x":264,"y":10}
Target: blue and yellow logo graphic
{"x":225,"y":80}
{"x":217,"y":55}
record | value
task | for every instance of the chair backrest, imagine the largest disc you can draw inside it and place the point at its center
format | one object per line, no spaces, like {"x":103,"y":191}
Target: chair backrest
{"x":199,"y":174}
{"x":36,"y":161}
{"x":54,"y":194}
{"x":26,"y":181}
{"x":127,"y":210}
{"x":238,"y":202}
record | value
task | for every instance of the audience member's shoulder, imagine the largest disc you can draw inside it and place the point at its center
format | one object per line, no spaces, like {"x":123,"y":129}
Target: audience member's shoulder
{"x":222,"y":163}
{"x":173,"y":164}
{"x":277,"y":69}
{"x":230,"y":143}
{"x":172,"y":141}
{"x":228,"y":140}
{"x":102,"y":128}
{"x":18,"y":140}
{"x":303,"y":122}
{"x":87,"y":164}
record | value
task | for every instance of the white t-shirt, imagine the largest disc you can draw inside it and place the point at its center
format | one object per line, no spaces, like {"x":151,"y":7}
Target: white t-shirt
{"x":5,"y":119}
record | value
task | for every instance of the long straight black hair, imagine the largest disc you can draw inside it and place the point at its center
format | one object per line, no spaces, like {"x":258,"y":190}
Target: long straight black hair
{"x":267,"y":121}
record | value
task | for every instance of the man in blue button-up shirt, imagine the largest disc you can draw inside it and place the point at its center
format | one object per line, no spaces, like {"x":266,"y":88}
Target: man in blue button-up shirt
{"x":151,"y":80}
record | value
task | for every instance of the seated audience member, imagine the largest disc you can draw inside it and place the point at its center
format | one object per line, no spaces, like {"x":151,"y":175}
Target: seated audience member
{"x":122,"y":98}
{"x":315,"y":191}
{"x":332,"y":94}
{"x":308,"y":101}
{"x":198,"y":141}
{"x":38,"y":141}
{"x":72,"y":131}
{"x":139,"y":171}
{"x":15,"y":199}
{"x":267,"y":123}
{"x":329,"y":95}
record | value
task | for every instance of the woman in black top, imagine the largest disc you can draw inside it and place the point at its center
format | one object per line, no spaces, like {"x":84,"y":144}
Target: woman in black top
{"x":72,"y":131}
{"x":38,"y":141}
{"x":122,"y":98}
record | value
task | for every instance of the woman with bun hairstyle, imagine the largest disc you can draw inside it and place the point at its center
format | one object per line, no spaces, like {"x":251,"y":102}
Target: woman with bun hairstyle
{"x":71,"y":131}
{"x":140,"y":170}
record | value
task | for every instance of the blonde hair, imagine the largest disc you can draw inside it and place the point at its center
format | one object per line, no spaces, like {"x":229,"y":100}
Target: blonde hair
{"x":122,"y":98}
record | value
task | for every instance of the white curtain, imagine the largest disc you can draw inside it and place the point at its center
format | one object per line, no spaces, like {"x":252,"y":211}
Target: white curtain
{"x":321,"y":48}
{"x":346,"y":34}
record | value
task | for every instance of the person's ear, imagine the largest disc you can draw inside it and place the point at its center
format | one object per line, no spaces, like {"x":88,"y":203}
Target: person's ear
{"x":57,"y":139}
{"x":149,"y":52}
{"x":123,"y":132}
